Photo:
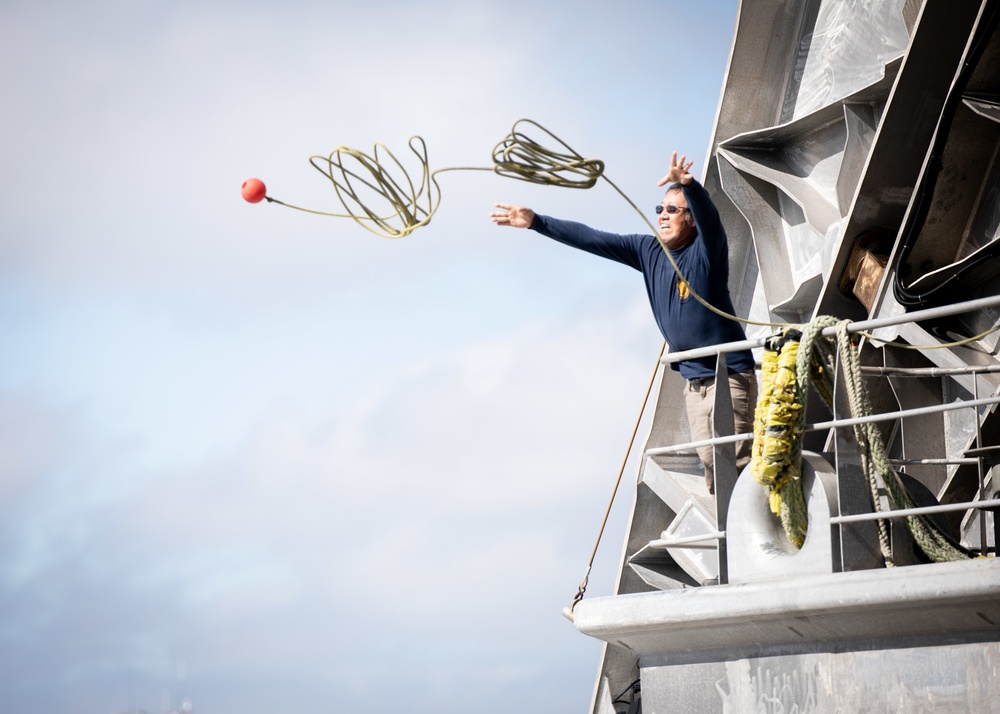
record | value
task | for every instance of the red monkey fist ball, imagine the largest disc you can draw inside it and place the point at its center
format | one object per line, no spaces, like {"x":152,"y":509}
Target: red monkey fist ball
{"x":253,"y":190}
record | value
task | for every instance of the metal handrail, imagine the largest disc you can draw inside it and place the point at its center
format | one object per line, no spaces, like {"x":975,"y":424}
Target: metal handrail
{"x":933,"y":313}
{"x":917,"y":316}
{"x":836,"y":520}
{"x":833,"y":424}
{"x":934,"y":462}
{"x":917,"y":511}
{"x":873,"y":371}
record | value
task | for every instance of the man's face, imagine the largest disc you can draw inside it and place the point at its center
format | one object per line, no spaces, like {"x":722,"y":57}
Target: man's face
{"x":676,"y":229}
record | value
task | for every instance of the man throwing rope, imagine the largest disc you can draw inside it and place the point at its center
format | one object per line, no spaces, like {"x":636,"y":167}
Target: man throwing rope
{"x":690,"y":228}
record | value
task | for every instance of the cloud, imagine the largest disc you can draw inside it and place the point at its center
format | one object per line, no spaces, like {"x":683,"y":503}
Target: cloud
{"x":289,"y":453}
{"x":407,"y":512}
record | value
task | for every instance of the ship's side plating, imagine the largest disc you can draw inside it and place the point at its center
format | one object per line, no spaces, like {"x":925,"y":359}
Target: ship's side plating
{"x":855,"y":164}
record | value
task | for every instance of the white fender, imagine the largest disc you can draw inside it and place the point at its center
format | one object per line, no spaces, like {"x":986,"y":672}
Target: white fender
{"x":756,"y":544}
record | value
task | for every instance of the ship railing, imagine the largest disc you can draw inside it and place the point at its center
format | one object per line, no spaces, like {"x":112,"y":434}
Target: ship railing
{"x":983,"y":458}
{"x":933,"y":313}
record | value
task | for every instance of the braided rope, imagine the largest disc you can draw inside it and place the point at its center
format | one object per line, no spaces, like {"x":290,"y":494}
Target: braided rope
{"x":407,"y":205}
{"x":776,"y":455}
{"x":518,"y":156}
{"x":858,"y":399}
{"x":814,"y":365}
{"x":934,"y":543}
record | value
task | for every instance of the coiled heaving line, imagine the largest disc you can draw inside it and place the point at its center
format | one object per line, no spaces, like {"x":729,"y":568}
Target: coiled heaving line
{"x":791,"y":361}
{"x":402,"y":205}
{"x":380,"y":195}
{"x":410,"y":205}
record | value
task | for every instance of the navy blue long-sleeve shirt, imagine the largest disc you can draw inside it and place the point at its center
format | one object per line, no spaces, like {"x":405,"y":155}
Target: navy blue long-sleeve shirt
{"x":685,"y":323}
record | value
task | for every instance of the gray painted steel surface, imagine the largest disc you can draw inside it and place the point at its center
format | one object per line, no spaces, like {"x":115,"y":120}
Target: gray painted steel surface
{"x":842,"y":124}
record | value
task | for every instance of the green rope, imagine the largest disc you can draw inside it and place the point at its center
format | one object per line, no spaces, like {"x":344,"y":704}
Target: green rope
{"x":815,"y":363}
{"x":816,"y":359}
{"x":857,"y":396}
{"x":934,"y":544}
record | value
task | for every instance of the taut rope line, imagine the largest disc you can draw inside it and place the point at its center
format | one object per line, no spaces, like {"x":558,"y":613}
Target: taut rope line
{"x":568,"y":610}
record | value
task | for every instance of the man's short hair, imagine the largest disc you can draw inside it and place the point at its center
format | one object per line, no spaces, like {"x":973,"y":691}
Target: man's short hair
{"x":673,"y":187}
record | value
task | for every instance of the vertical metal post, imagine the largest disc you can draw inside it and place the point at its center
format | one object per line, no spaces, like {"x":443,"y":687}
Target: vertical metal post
{"x":996,"y":526}
{"x":724,"y":457}
{"x":983,"y":539}
{"x":858,"y":542}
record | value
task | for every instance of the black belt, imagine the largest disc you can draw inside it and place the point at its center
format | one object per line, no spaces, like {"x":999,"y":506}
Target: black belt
{"x":699,"y":382}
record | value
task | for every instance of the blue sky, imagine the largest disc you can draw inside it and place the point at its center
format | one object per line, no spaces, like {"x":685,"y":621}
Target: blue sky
{"x":268,"y":461}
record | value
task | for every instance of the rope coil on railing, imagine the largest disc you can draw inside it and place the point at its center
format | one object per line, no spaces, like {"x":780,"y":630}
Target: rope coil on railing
{"x":814,"y":363}
{"x":935,"y":544}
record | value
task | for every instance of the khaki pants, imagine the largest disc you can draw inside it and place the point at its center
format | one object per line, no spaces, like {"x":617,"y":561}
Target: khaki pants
{"x":699,"y":396}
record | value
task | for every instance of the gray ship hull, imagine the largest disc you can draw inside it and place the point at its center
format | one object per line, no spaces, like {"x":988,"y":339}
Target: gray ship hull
{"x":854,"y":163}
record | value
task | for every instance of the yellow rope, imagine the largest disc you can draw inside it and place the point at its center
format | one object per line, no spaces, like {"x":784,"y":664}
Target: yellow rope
{"x":776,"y":454}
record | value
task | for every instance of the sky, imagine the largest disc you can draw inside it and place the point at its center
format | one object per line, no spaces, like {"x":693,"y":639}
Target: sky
{"x":258,"y":460}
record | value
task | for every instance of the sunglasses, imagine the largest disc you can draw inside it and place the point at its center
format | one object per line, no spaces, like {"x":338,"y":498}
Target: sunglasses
{"x":669,"y":208}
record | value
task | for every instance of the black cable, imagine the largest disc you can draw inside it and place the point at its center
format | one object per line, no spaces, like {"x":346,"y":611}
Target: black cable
{"x":903,"y":294}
